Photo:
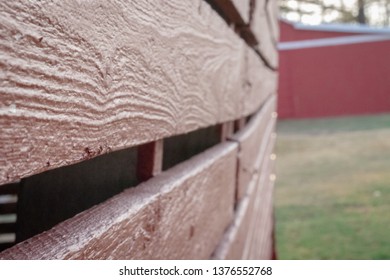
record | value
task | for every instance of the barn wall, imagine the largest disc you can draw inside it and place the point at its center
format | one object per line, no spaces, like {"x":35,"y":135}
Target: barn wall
{"x":182,"y":92}
{"x":348,"y":79}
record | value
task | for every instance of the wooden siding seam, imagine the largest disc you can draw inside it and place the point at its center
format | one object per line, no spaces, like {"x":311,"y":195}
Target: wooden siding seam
{"x":258,"y":180}
{"x":228,"y":11}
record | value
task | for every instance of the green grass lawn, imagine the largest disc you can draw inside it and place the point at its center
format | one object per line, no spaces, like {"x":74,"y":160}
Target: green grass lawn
{"x":333,"y":188}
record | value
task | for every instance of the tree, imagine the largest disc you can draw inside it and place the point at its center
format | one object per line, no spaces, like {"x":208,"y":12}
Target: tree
{"x":361,"y":18}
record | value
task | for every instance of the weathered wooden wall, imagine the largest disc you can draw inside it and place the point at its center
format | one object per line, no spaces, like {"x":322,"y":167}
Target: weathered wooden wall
{"x":82,"y":79}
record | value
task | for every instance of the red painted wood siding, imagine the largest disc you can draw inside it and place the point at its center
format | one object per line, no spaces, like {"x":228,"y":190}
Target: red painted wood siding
{"x":338,"y":80}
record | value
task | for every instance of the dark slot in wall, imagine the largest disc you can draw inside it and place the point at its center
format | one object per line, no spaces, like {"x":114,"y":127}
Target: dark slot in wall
{"x":182,"y":147}
{"x":51,"y":197}
{"x":48,"y":198}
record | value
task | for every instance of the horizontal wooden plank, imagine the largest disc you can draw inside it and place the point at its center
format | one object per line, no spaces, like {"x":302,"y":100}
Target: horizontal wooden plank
{"x":247,"y":233}
{"x":253,"y":141}
{"x":179,"y":214}
{"x":82,"y":79}
{"x":263,"y":27}
{"x":12,"y":188}
{"x":7,"y":228}
{"x":7,"y":208}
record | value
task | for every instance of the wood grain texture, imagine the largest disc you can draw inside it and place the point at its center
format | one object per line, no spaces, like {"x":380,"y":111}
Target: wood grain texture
{"x":253,"y":141}
{"x":249,"y":234}
{"x":81,"y":79}
{"x":179,"y":214}
{"x":263,"y":29}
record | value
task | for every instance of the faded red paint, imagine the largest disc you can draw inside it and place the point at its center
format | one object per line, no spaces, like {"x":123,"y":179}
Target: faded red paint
{"x":333,"y":80}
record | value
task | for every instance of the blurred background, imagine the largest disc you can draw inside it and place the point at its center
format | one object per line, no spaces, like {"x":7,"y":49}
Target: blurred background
{"x":333,"y":148}
{"x":372,"y":12}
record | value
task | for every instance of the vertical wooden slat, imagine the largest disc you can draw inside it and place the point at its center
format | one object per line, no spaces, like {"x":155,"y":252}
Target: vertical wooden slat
{"x":250,"y":234}
{"x":239,"y":124}
{"x":226,"y":130}
{"x":150,"y":158}
{"x":252,"y":141}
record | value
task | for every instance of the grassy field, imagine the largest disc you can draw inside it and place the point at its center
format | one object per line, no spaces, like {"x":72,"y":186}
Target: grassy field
{"x":333,"y":188}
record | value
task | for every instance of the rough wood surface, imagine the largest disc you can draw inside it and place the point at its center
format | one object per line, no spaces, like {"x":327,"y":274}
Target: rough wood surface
{"x":252,"y":144}
{"x":263,"y":29}
{"x":83,"y":78}
{"x":249,"y":234}
{"x":179,"y":214}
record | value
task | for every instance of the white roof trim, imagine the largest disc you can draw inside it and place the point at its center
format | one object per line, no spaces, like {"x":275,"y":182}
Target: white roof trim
{"x":347,"y":28}
{"x":336,"y":41}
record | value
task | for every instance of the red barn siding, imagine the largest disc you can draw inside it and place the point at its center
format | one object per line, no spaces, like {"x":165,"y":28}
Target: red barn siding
{"x":337,"y":80}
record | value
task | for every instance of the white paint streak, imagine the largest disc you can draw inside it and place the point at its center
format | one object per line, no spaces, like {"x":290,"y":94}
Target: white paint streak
{"x":327,"y":42}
